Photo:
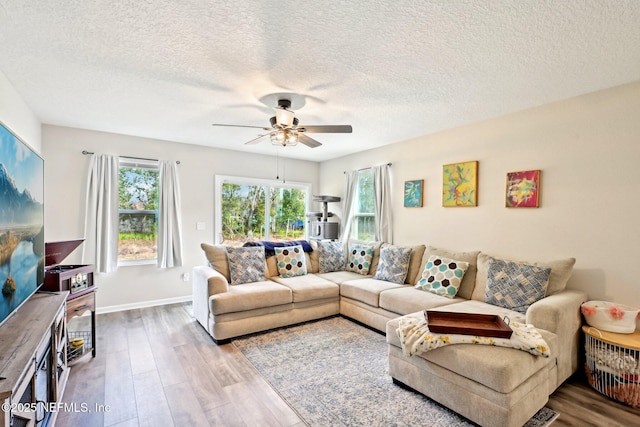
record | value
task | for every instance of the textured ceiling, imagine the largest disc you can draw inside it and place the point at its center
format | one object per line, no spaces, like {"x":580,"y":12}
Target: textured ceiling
{"x":394,"y":70}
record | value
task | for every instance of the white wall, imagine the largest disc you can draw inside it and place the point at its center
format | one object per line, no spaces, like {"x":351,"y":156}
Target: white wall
{"x":588,"y":149}
{"x":17,"y":116}
{"x":65,"y":187}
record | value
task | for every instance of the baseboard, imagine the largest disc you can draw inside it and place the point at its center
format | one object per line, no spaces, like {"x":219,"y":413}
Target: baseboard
{"x":142,"y":304}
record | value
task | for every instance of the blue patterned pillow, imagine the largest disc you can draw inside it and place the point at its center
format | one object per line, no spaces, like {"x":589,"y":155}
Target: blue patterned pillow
{"x":246,"y":265}
{"x":359,"y":259}
{"x":442,"y":276}
{"x":291,"y":261}
{"x":514,"y":285}
{"x":393,"y":264}
{"x":331,"y":256}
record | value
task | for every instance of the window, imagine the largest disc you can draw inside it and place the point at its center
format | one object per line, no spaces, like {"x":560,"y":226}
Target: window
{"x":138,"y":211}
{"x":251,"y":209}
{"x":363,"y":225}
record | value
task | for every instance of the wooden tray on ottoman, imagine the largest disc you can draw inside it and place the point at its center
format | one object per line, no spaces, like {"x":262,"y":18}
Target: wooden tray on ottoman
{"x":484,"y":325}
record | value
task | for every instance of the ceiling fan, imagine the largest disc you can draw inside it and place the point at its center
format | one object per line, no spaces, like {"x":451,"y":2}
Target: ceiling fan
{"x":286,"y":131}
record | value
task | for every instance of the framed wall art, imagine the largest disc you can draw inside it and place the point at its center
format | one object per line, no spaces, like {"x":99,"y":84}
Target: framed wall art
{"x":523,"y":189}
{"x":413,"y":193}
{"x":460,"y":184}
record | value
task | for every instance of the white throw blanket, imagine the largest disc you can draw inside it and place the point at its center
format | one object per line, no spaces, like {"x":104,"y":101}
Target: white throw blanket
{"x":416,"y":338}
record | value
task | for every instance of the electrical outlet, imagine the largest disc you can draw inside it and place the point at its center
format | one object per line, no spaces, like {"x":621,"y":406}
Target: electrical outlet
{"x":185,"y":277}
{"x":201,"y":225}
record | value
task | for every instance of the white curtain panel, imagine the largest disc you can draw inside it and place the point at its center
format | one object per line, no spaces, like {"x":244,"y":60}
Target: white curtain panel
{"x":101,"y":214}
{"x":348,"y":211}
{"x":170,"y":217}
{"x":382,"y":197}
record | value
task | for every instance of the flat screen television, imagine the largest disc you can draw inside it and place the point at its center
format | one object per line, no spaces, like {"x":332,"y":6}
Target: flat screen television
{"x":21,"y":222}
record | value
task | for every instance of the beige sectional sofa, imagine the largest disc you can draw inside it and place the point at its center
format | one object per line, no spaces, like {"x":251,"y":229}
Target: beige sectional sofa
{"x":492,"y":386}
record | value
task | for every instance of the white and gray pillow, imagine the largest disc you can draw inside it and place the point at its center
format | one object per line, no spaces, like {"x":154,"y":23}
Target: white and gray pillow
{"x":393,"y":264}
{"x":246,"y":264}
{"x":515,"y":285}
{"x":331,"y":256}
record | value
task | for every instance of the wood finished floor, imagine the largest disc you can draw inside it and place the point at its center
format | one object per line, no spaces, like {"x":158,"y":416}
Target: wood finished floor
{"x":157,"y":367}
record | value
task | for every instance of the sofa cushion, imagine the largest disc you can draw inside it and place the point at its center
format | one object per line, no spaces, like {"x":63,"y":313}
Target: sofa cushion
{"x":366,"y":290}
{"x":394,"y":264}
{"x":442,"y":276}
{"x":408,"y":299}
{"x":312,"y":257}
{"x":503,"y":369}
{"x":415,"y":263}
{"x":469,"y":280}
{"x":340,"y":277}
{"x":359,"y":258}
{"x":330,"y":257}
{"x":217,"y":257}
{"x":291,"y":261}
{"x":246,"y":265}
{"x":515,"y":285}
{"x":309,"y":287}
{"x":560,"y":273}
{"x":250,"y":296}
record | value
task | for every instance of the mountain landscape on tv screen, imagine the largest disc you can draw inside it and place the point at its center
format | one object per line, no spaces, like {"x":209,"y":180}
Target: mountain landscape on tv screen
{"x":18,"y":207}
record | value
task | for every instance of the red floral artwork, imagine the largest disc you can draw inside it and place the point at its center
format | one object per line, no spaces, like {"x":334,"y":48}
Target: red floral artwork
{"x":587,"y":310}
{"x":615,"y":312}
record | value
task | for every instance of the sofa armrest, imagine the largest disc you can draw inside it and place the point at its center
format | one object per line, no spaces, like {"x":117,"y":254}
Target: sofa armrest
{"x":560,"y":314}
{"x":205,"y":282}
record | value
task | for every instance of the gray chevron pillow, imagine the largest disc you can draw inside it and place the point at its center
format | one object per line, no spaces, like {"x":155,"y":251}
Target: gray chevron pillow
{"x":331,"y":256}
{"x":393,"y":264}
{"x":515,"y":285}
{"x":246,"y":265}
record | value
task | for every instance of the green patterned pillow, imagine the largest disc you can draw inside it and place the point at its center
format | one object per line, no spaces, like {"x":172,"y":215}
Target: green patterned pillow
{"x":442,"y":276}
{"x":359,"y":259}
{"x":246,"y":265}
{"x":515,"y":285}
{"x":291,"y":261}
{"x":393,"y":264}
{"x":331,"y":256}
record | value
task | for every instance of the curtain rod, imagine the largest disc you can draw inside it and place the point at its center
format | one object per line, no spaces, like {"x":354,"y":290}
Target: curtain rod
{"x":85,"y":152}
{"x":364,"y":169}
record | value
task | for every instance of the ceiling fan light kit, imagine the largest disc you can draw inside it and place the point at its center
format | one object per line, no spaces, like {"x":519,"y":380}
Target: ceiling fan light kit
{"x":285,"y":131}
{"x":284,"y":137}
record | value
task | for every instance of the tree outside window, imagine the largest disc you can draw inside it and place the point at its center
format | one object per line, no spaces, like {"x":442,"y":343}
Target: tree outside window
{"x":260,"y":210}
{"x":363,"y":225}
{"x":138,"y":211}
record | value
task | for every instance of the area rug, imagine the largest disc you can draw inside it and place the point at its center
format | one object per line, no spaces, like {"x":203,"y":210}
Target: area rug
{"x":334,"y":372}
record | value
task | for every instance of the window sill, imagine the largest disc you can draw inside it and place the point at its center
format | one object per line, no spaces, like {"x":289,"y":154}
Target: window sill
{"x":133,"y":262}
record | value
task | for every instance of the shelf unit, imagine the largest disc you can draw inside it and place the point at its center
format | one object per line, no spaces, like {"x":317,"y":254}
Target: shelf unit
{"x":77,"y":306}
{"x":33,"y":361}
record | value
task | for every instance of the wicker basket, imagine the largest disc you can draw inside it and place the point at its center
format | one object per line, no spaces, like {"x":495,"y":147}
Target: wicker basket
{"x":612,"y":369}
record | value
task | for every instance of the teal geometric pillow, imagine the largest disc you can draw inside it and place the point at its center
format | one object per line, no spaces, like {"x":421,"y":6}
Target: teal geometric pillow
{"x":246,"y":265}
{"x":359,"y":259}
{"x":291,"y":261}
{"x":331,"y":256}
{"x":393,"y":265}
{"x":442,"y":276}
{"x":514,"y":285}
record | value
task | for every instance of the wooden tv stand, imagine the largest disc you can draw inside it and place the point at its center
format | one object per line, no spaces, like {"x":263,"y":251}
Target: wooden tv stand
{"x":33,"y":361}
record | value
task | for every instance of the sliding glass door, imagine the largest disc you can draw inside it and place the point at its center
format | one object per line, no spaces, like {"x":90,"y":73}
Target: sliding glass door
{"x":251,"y":210}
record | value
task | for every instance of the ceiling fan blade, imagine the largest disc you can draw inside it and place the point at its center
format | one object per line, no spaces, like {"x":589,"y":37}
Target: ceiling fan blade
{"x":256,"y":140}
{"x":326,"y":129}
{"x":309,"y":142}
{"x":241,"y":126}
